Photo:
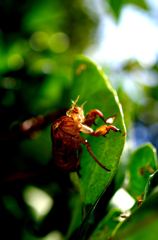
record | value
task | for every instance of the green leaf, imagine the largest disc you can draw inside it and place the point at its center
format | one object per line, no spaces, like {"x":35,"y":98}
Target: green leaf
{"x":76,"y":214}
{"x":107,"y":226}
{"x":117,"y":6}
{"x":143,"y":163}
{"x":143,"y":224}
{"x":91,"y":84}
{"x":142,"y":4}
{"x":152,"y":184}
{"x":44,"y":16}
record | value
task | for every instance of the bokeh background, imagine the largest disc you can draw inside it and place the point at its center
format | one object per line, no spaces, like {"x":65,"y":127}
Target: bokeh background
{"x":39,"y":41}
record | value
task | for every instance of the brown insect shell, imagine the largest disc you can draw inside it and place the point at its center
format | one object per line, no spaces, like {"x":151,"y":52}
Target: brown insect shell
{"x":66,"y":143}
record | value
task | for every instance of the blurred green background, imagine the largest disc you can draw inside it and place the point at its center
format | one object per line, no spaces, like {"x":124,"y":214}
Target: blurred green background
{"x":39,"y":41}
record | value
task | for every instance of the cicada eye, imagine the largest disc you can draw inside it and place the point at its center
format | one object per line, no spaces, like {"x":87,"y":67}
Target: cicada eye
{"x":75,"y":110}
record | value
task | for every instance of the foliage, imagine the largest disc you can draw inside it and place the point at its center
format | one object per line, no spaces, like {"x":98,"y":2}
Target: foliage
{"x":91,"y":82}
{"x":143,"y":223}
{"x":42,"y":69}
{"x":116,"y":6}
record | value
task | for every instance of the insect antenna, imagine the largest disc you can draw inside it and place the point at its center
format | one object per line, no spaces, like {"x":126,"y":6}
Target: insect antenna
{"x":83,"y":104}
{"x":74,"y":102}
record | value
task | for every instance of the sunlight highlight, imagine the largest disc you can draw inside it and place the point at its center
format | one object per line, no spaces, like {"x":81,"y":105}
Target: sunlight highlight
{"x":123,"y":200}
{"x":38,"y":200}
{"x":135,"y":36}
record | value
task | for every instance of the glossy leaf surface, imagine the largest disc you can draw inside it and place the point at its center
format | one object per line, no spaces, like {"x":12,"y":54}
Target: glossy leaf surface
{"x":143,"y":163}
{"x":142,"y":224}
{"x":91,"y":84}
{"x":107,"y":226}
